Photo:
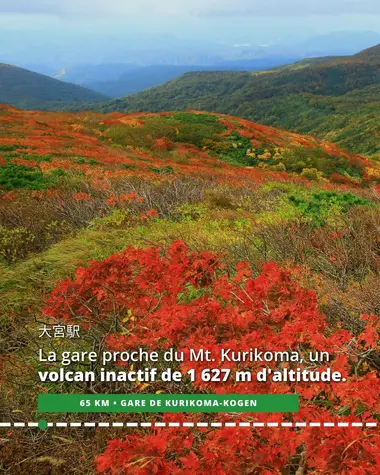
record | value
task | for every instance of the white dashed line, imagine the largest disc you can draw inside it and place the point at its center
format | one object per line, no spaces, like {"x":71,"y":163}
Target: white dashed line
{"x":188,"y":424}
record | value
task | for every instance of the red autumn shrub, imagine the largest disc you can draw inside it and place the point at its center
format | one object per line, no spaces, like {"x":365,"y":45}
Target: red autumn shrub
{"x":341,"y":179}
{"x":178,"y":451}
{"x":184,"y":299}
{"x":236,"y":451}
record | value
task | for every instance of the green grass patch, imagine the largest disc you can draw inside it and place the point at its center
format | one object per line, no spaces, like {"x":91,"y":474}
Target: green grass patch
{"x":319,"y":206}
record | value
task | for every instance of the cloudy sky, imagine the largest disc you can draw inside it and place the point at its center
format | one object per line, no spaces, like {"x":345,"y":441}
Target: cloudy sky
{"x":208,"y":18}
{"x":193,"y":8}
{"x":57,"y":32}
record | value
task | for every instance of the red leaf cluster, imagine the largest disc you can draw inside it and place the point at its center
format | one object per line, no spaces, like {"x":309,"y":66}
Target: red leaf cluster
{"x":185,"y":299}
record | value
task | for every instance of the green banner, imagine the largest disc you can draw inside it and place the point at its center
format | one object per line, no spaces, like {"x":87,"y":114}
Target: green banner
{"x":168,"y":403}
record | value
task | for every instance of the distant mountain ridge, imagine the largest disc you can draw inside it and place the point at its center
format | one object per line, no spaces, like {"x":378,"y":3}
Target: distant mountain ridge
{"x":317,"y":96}
{"x":28,"y":90}
{"x":136,"y":79}
{"x":117,"y":80}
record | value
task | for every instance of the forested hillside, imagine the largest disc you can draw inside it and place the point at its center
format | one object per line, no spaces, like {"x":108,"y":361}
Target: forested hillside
{"x":334,"y":98}
{"x":28,"y":90}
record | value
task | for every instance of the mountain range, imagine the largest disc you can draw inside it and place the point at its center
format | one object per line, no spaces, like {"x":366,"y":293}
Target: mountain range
{"x":132,"y":79}
{"x":335,"y":98}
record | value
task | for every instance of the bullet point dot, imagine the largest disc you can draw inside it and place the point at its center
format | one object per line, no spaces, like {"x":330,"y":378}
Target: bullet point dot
{"x":43,"y":425}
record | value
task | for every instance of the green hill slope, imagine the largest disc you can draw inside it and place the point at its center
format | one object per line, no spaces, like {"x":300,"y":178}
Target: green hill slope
{"x":28,"y":90}
{"x":334,"y":98}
